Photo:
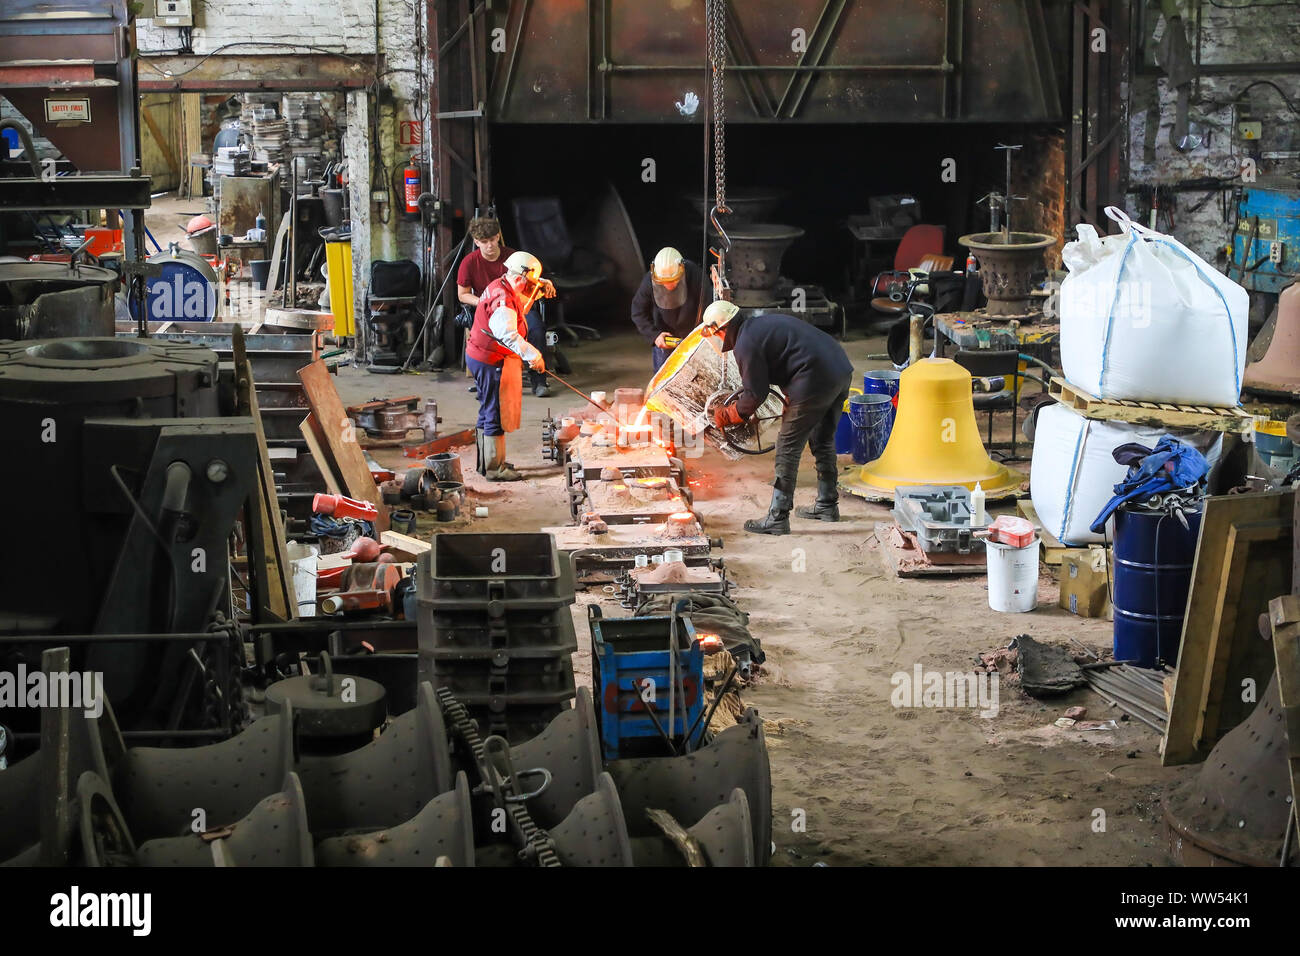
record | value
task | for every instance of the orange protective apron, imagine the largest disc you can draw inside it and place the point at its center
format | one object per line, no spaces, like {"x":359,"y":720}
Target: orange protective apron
{"x":512,"y":392}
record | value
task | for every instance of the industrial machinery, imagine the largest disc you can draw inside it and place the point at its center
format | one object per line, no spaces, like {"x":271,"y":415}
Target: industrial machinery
{"x":145,"y":476}
{"x":68,"y":66}
{"x":41,"y":300}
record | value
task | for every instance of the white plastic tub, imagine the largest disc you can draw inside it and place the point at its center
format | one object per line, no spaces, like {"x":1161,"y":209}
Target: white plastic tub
{"x":1012,"y":576}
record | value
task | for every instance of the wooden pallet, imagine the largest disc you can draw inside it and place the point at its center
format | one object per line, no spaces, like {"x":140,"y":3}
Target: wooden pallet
{"x":1217,"y":418}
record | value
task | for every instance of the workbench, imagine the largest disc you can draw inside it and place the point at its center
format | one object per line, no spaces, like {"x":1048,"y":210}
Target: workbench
{"x":975,"y":330}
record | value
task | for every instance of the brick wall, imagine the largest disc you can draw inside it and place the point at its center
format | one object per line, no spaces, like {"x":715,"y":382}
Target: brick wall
{"x":343,"y":26}
{"x":1039,"y":175}
{"x":1270,"y":34}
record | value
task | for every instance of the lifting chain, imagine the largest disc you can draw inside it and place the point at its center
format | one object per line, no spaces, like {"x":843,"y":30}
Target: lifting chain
{"x":716,"y":43}
{"x":538,"y":847}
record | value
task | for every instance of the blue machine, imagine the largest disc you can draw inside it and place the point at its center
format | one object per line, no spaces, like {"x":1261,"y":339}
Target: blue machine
{"x":625,"y":652}
{"x":1154,"y":555}
{"x":186,"y":291}
{"x":1266,"y":215}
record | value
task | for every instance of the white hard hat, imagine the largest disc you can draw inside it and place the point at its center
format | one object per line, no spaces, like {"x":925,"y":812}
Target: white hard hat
{"x":717,"y":315}
{"x":667,"y":265}
{"x":524,"y":264}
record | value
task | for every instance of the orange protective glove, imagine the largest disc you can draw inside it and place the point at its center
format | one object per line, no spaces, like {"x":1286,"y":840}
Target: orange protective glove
{"x":726,"y":416}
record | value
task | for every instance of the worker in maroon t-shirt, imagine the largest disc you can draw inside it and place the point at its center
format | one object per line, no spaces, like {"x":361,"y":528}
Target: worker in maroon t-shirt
{"x":486,"y":264}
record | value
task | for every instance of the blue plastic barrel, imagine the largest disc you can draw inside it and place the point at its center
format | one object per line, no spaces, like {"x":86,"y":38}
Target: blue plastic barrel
{"x":1153,"y":572}
{"x":872,"y":417}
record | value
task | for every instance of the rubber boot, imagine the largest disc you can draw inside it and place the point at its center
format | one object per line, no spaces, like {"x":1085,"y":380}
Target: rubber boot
{"x":827,"y":507}
{"x":777,"y":519}
{"x":498,"y":468}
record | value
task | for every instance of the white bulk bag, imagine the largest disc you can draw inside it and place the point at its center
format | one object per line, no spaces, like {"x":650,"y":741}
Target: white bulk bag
{"x":1144,"y":318}
{"x":1073,"y":473}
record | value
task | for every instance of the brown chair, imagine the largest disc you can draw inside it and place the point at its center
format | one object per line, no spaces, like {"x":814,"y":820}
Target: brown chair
{"x":891,"y":306}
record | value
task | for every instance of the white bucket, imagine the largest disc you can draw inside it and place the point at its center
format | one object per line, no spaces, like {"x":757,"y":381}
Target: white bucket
{"x":302,"y":558}
{"x":1013,"y":576}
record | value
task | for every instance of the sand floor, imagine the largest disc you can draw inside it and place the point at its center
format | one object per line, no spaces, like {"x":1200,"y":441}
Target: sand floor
{"x":858,"y":781}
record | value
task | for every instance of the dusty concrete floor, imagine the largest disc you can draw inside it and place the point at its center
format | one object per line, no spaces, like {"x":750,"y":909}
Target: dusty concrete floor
{"x":856,"y":780}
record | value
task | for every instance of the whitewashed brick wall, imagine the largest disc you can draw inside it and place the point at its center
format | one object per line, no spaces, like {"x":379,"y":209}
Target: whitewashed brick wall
{"x":344,"y":26}
{"x":1268,"y":34}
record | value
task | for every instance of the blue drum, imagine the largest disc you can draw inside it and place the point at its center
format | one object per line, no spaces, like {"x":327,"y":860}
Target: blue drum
{"x":1154,"y":555}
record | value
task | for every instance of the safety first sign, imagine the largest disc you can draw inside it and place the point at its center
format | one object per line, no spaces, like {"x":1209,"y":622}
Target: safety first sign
{"x":67,"y":111}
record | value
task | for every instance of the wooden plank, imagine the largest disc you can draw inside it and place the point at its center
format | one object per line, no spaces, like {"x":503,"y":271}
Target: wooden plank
{"x":328,"y":562}
{"x":267,"y":546}
{"x":1228,"y":608}
{"x":1198,"y":648}
{"x":164,"y":146}
{"x":311,"y":434}
{"x":1284,"y":619}
{"x":273,"y":277}
{"x":403,"y":546}
{"x":191,"y":142}
{"x":340,"y":442}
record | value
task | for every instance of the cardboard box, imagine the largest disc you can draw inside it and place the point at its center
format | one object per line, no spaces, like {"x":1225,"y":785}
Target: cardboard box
{"x":1085,"y":588}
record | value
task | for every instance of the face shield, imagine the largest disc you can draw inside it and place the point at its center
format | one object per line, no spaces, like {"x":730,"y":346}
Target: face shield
{"x":670,"y":291}
{"x":524,"y":274}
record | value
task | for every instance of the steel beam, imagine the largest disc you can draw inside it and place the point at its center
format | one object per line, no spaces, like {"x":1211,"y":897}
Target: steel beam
{"x":26,"y":194}
{"x":290,"y":72}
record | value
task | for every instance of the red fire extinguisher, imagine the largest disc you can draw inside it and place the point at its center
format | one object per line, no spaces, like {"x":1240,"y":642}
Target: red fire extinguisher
{"x":412,"y":189}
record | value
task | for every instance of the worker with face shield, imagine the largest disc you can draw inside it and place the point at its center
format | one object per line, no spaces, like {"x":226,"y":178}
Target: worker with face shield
{"x":814,"y":372}
{"x":485,"y":263}
{"x":668,"y":302}
{"x":496,"y":350}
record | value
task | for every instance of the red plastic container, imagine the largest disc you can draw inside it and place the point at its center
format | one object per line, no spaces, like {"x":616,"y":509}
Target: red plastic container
{"x":1010,"y":530}
{"x":342,"y":507}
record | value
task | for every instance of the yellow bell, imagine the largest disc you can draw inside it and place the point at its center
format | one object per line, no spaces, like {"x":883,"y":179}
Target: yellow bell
{"x":935,"y":439}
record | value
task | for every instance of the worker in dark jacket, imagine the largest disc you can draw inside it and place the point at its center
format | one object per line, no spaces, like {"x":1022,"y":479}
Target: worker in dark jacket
{"x":812,"y":370}
{"x":667,"y":302}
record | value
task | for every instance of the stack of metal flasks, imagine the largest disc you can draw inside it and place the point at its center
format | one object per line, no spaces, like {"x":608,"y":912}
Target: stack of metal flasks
{"x":496,"y":630}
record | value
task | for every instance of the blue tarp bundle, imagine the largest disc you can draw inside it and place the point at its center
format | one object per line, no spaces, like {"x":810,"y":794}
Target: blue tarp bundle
{"x":1172,"y":465}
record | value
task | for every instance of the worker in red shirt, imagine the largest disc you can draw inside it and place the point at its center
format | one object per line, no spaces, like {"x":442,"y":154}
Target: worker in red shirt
{"x":495,"y":351}
{"x":485,"y":265}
